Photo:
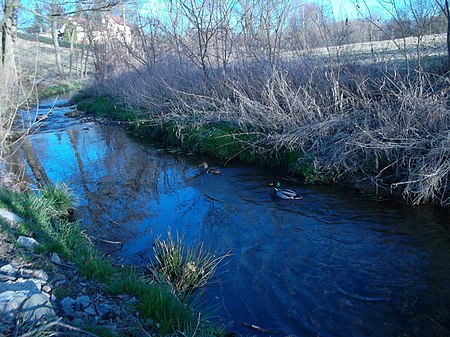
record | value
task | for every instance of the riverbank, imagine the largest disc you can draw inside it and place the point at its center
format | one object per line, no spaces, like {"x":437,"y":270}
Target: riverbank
{"x":341,"y":115}
{"x":82,"y":291}
{"x":228,"y":142}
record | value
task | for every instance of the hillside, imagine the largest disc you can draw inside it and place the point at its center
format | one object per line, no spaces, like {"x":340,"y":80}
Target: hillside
{"x":36,"y":62}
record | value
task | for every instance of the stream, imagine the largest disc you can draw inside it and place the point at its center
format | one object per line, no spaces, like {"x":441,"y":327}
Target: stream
{"x":335,"y":263}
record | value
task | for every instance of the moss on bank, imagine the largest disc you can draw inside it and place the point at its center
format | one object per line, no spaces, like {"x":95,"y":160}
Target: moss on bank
{"x":102,"y":106}
{"x":48,"y":218}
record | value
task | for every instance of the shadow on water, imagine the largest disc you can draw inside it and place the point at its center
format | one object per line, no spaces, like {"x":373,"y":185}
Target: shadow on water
{"x":332,"y":264}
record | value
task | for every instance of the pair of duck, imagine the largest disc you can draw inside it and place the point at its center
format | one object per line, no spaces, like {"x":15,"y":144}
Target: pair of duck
{"x":282,"y":193}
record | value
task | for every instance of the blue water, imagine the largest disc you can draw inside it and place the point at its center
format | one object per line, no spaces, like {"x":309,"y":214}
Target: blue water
{"x":336,"y":263}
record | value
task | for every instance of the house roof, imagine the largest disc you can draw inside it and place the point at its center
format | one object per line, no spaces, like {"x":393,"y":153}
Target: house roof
{"x":117,"y":19}
{"x":78,"y":20}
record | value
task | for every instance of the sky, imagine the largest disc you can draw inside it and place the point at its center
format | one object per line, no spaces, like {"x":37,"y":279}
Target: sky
{"x":342,"y":9}
{"x":347,"y":8}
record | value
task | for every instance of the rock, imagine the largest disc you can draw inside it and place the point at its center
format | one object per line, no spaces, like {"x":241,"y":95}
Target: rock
{"x":4,"y":278}
{"x":47,"y":289}
{"x":58,"y":279}
{"x":73,"y":113}
{"x":40,"y":274}
{"x":37,"y":307}
{"x":13,"y":294}
{"x":27,"y":242}
{"x":9,"y":216}
{"x":68,"y":304}
{"x":83,"y":301}
{"x":8,"y":269}
{"x":55,"y":259}
{"x":30,"y":286}
{"x":104,"y":309}
{"x":10,"y":302}
{"x":90,"y":310}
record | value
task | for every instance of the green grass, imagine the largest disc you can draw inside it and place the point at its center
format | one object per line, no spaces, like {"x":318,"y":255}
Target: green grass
{"x":157,"y":303}
{"x":60,"y":89}
{"x":103,"y":106}
{"x":185,"y":269}
{"x":47,"y":219}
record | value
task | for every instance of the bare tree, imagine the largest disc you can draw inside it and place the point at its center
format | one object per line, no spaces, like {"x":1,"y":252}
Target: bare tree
{"x":56,"y":14}
{"x":8,"y":34}
{"x":446,"y":10}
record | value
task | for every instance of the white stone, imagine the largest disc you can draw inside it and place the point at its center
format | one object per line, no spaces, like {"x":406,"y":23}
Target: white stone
{"x":40,"y":274}
{"x":46,"y":288}
{"x":10,"y":302}
{"x":27,"y":242}
{"x":37,"y":307}
{"x":10,"y":216}
{"x":31,"y":286}
{"x":8,"y":269}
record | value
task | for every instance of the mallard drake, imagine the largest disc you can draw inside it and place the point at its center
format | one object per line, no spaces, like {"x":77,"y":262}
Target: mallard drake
{"x":285,"y":193}
{"x":209,"y":170}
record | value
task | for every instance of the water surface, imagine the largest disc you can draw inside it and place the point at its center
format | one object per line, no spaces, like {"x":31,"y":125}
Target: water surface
{"x":335,"y":263}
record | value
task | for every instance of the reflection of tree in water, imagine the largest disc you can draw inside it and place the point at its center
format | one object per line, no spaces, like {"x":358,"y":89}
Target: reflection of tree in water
{"x":35,"y":165}
{"x":121,"y":178}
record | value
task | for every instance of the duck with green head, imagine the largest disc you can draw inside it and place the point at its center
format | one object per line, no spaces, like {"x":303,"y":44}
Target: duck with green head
{"x":285,"y":193}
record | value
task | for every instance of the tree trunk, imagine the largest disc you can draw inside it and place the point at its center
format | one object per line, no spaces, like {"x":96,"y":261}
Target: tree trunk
{"x":447,"y":14}
{"x":54,"y":29}
{"x":8,"y":35}
{"x":72,"y":41}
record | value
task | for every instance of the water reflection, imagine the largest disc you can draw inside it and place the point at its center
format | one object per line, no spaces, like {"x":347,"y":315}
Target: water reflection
{"x":331,"y":264}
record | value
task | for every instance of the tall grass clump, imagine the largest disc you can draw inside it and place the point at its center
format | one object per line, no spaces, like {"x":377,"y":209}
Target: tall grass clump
{"x":184,"y":268}
{"x":57,"y":199}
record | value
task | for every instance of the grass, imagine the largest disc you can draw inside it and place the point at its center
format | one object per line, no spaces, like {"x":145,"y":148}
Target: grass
{"x":157,"y":304}
{"x":185,"y":269}
{"x":103,"y":107}
{"x":48,"y":219}
{"x":60,"y":89}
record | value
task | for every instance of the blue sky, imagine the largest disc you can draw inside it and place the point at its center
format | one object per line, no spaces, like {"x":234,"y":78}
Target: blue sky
{"x":342,"y":9}
{"x":347,"y":8}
